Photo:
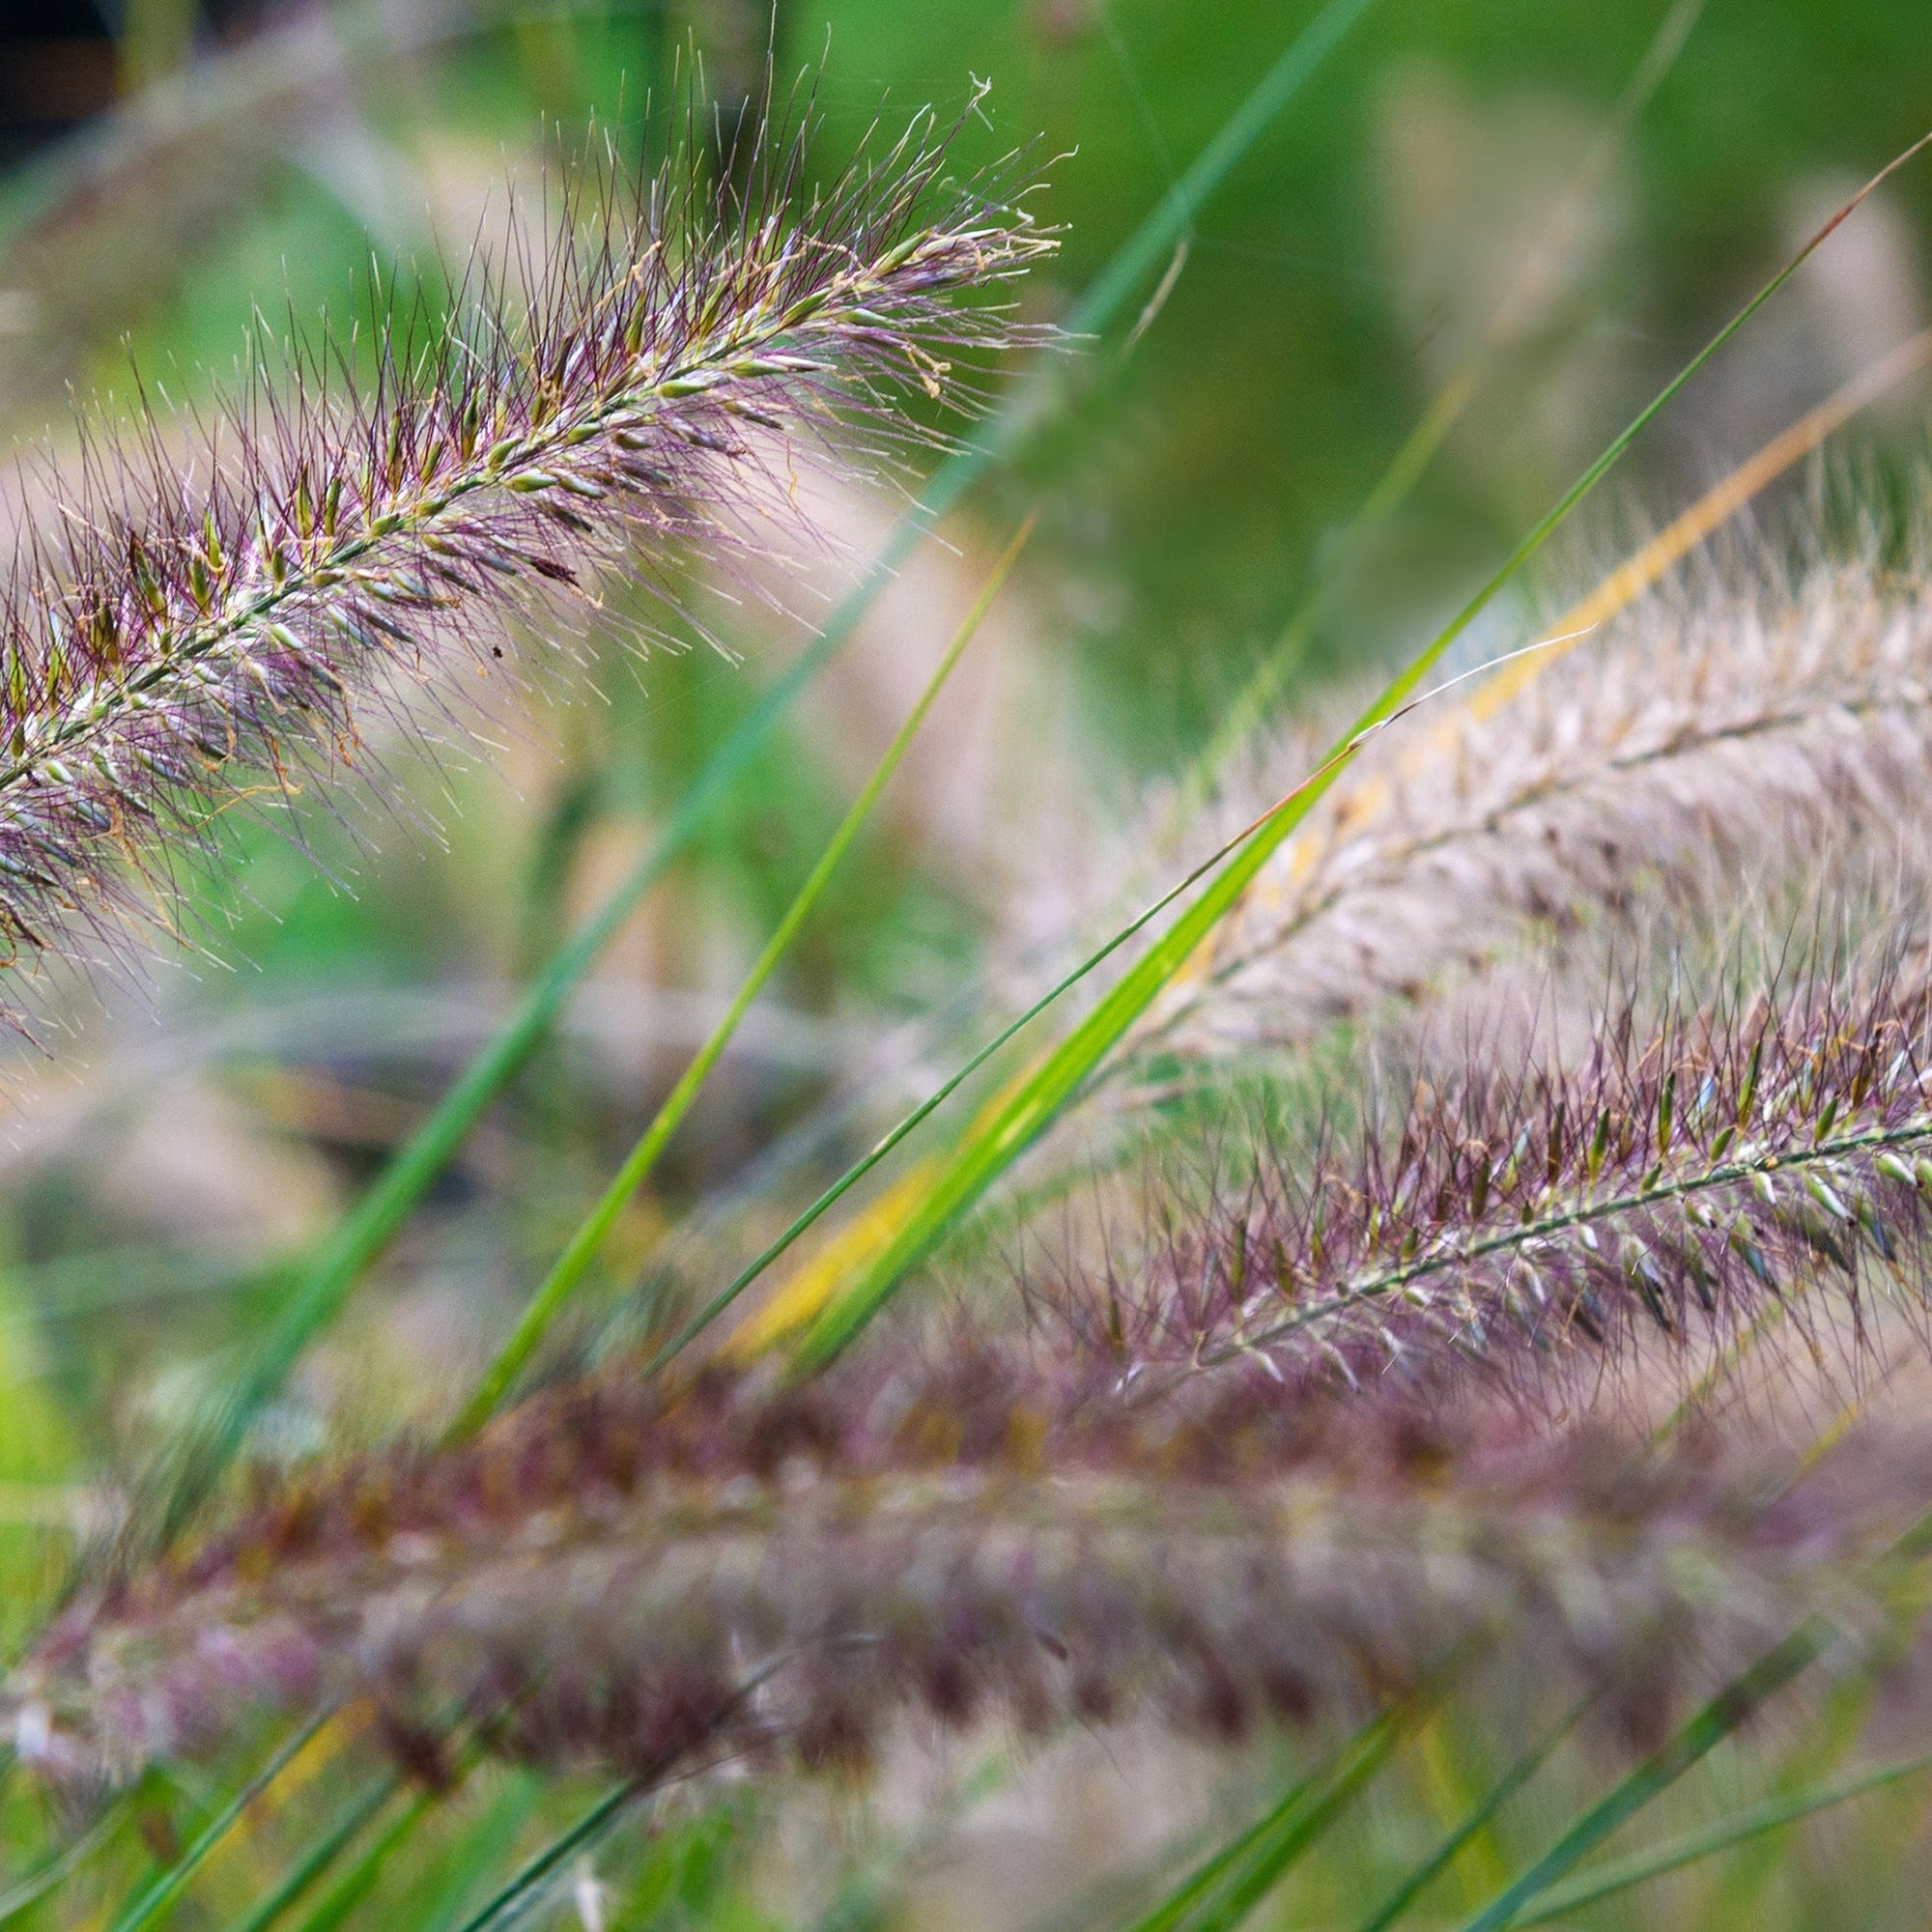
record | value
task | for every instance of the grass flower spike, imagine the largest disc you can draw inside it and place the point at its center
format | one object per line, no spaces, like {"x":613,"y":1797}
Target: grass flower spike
{"x":185,"y":623}
{"x":632,"y":1577}
{"x":1543,"y":1211}
{"x":1711,"y":731}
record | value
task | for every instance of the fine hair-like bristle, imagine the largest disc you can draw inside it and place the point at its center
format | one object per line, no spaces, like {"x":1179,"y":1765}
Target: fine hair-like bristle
{"x":184,"y":623}
{"x":1545,"y":1209}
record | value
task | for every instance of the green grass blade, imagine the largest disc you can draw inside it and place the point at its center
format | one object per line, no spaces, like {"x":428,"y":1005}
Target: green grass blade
{"x":1220,"y":1892}
{"x":1013,"y":1127}
{"x":1825,"y":1749}
{"x":588,"y":1241}
{"x":1148,"y":248}
{"x":522,"y":1888}
{"x":1702,"y":1733}
{"x":342,"y":1832}
{"x":534,"y":1875}
{"x":1769,"y":1816}
{"x":1199,"y":1885}
{"x":1731,"y":1707}
{"x":53,"y":1872}
{"x":360,"y":1880}
{"x":864,"y":1166}
{"x":1478,"y":1820}
{"x":491,"y":1838}
{"x":152,"y":1904}
{"x":380,"y":1212}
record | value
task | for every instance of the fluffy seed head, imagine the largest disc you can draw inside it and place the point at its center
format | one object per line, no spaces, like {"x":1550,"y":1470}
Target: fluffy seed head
{"x":1549,"y":1210}
{"x":645,"y":1578}
{"x":1716,"y":731}
{"x":184,"y":623}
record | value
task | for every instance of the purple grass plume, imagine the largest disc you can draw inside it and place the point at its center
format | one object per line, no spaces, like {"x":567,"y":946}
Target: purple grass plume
{"x":1550,"y":1213}
{"x":190,"y":622}
{"x":652,"y":1578}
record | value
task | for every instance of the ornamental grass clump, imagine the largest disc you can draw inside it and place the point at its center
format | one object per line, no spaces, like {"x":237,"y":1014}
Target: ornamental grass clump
{"x":200,"y":615}
{"x":1480,"y":1357}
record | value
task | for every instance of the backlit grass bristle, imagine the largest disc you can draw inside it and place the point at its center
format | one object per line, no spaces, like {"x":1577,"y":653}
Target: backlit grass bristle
{"x":1711,"y":732}
{"x":1545,"y":1209}
{"x":186,"y":622}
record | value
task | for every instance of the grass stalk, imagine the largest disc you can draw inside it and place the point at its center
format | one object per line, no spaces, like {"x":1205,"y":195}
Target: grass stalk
{"x":342,"y":1831}
{"x":357,"y":1884}
{"x":1220,"y":1892}
{"x":529,"y":1878}
{"x":911,"y":1120}
{"x":1479,"y":1816}
{"x":1739,"y":1700}
{"x":55,"y":1871}
{"x":1151,"y":245}
{"x":526,"y":1882}
{"x":1733,"y":1706}
{"x":999,"y":1140}
{"x":1771,"y":1815}
{"x":152,"y":1905}
{"x":588,"y":1241}
{"x":494,"y":1835}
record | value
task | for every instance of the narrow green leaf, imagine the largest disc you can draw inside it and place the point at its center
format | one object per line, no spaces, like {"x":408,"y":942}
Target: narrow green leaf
{"x":488,"y":1840}
{"x":1737,"y":1701}
{"x":993,"y":1148}
{"x":55,"y":1871}
{"x":585,"y":1245}
{"x":1621,"y":1875}
{"x":341,"y":1833}
{"x":527,"y":1883}
{"x":1478,"y":1820}
{"x":355,"y":1884}
{"x":360,"y":1880}
{"x":1220,"y":1892}
{"x":152,"y":1904}
{"x":1198,"y":1885}
{"x":1148,"y":246}
{"x":375,"y":1219}
{"x":861,"y":1167}
{"x":531,"y":1877}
